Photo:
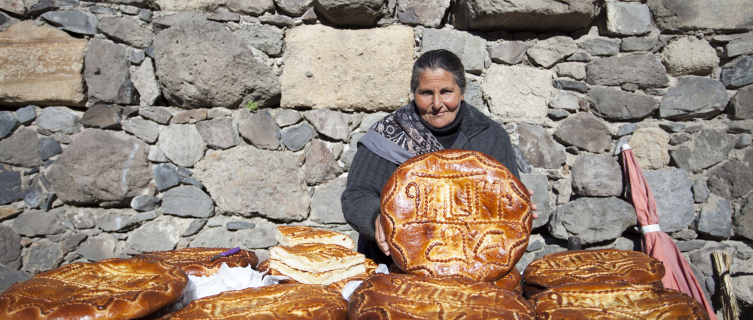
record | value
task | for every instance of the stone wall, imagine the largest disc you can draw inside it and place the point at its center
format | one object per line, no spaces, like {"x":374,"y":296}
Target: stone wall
{"x":127,"y":125}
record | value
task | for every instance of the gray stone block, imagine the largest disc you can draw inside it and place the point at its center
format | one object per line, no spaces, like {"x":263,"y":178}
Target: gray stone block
{"x":592,"y":219}
{"x":187,"y":201}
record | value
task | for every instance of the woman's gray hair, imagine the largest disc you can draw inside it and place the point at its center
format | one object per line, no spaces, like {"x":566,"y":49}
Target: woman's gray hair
{"x":436,"y":59}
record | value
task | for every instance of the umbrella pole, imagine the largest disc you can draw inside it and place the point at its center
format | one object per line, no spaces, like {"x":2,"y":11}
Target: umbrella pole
{"x":722,"y":262}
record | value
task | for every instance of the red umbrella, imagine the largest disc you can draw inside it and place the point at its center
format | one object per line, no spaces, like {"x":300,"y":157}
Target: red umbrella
{"x":656,"y":243}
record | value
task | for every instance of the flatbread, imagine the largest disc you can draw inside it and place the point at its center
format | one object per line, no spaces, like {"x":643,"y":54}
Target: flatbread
{"x":109,"y":289}
{"x":456,"y":212}
{"x":293,"y":235}
{"x":196,"y":261}
{"x":316,"y":257}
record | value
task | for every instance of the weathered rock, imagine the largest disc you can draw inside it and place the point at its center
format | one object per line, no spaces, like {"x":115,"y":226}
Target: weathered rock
{"x":739,"y":47}
{"x":538,"y":147}
{"x":164,"y":22}
{"x":73,"y":20}
{"x":10,"y":276}
{"x":706,"y":149}
{"x":626,"y":129}
{"x":117,"y":221}
{"x":218,"y":133}
{"x":143,"y":129}
{"x":20,"y":149}
{"x":286,"y":117}
{"x":420,"y":12}
{"x":548,"y":52}
{"x":127,"y":31}
{"x":739,"y":126}
{"x":194,"y":227}
{"x":592,"y":219}
{"x":262,"y":236}
{"x":56,"y":120}
{"x":102,"y":116}
{"x":250,"y":7}
{"x":295,"y":137}
{"x":187,"y":201}
{"x":325,"y":204}
{"x":638,"y":44}
{"x":295,"y":8}
{"x":715,"y":218}
{"x":742,"y":103}
{"x":10,"y":246}
{"x":166,"y":176}
{"x":738,"y":73}
{"x":145,"y":203}
{"x":277,"y":20}
{"x":145,"y":81}
{"x":689,"y":55}
{"x":264,"y":38}
{"x":368,"y":121}
{"x":340,"y":73}
{"x":351,"y":13}
{"x":538,"y":182}
{"x":26,"y":115}
{"x":239,"y":225}
{"x":14,"y":6}
{"x":190,"y":116}
{"x":98,"y":248}
{"x":102,"y":10}
{"x":158,"y":235}
{"x":694,"y":97}
{"x":674,"y":200}
{"x":8,"y":123}
{"x":32,"y":223}
{"x":644,"y":70}
{"x":742,"y":220}
{"x":619,"y":105}
{"x":320,"y":164}
{"x":247,"y":181}
{"x":107,"y":75}
{"x":701,"y":191}
{"x":596,"y":175}
{"x":586,"y":132}
{"x":517,"y":91}
{"x":509,"y":52}
{"x":571,"y":85}
{"x":521,"y":15}
{"x":734,"y":178}
{"x":701,"y":14}
{"x":39,"y":194}
{"x":101,"y":167}
{"x":600,"y":46}
{"x":72,"y":243}
{"x":42,"y":256}
{"x":225,"y":17}
{"x":202,"y":64}
{"x":160,"y":115}
{"x":329,"y":123}
{"x":48,"y":148}
{"x":650,"y":147}
{"x":261,"y":130}
{"x":628,"y":19}
{"x":10,"y":186}
{"x":573,"y":70}
{"x":182,"y":144}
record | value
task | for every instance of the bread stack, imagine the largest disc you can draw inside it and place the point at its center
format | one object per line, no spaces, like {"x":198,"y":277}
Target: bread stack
{"x":314,"y":256}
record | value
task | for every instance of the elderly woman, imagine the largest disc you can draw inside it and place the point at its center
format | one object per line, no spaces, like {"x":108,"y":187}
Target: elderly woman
{"x":438,"y":118}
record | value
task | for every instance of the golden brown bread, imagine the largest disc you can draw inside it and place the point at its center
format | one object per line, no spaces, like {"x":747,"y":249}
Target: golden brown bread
{"x":615,"y":301}
{"x":108,"y":289}
{"x":196,"y":261}
{"x":293,"y":235}
{"x":371,"y":267}
{"x":511,"y":281}
{"x":580,"y":266}
{"x":392,"y":297}
{"x":316,"y":257}
{"x":456,"y":212}
{"x":281,"y":301}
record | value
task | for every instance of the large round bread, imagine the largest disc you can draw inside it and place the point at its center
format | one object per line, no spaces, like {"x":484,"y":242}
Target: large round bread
{"x":615,"y":301}
{"x":280,"y":301}
{"x":581,"y":266}
{"x":456,"y":212}
{"x":396,"y":296}
{"x":511,"y":281}
{"x":197,"y":261}
{"x":109,"y":289}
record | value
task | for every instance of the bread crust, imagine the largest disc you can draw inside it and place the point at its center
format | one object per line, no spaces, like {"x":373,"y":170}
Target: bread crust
{"x":394,"y":296}
{"x":109,"y":289}
{"x":371,"y":267}
{"x":316,"y":257}
{"x":197,"y":261}
{"x":615,"y":300}
{"x":604,"y":265}
{"x":288,"y":301}
{"x":456,"y":212}
{"x":511,"y":281}
{"x":293,"y":235}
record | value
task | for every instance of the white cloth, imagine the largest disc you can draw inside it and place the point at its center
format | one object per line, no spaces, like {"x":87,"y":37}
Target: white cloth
{"x":650,"y":228}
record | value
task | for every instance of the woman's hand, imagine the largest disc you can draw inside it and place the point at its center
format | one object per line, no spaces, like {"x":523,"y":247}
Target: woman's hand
{"x":533,"y":205}
{"x":381,"y":239}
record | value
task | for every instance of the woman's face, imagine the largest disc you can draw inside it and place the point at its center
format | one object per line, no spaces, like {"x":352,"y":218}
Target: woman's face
{"x":437,"y":97}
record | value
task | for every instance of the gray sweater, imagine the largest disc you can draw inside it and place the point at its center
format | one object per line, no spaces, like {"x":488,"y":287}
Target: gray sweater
{"x":369,"y":172}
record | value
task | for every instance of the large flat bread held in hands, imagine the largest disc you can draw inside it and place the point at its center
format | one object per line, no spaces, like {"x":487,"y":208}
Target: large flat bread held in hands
{"x":402,"y":296}
{"x":280,"y":301}
{"x":604,"y":265}
{"x":110,"y":289}
{"x":456,"y":212}
{"x":197,"y":261}
{"x":615,"y":301}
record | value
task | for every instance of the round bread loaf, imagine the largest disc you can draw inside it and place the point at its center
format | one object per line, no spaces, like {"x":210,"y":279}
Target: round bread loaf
{"x":511,"y":281}
{"x":615,"y":301}
{"x":109,"y":289}
{"x":396,"y":296}
{"x":456,"y":212}
{"x":581,"y":266}
{"x":197,"y":261}
{"x":291,"y":301}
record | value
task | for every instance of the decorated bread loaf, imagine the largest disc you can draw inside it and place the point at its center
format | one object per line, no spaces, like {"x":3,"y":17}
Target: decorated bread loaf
{"x":197,"y":261}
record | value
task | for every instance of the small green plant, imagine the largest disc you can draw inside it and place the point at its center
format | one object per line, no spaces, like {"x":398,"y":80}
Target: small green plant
{"x":253,"y":106}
